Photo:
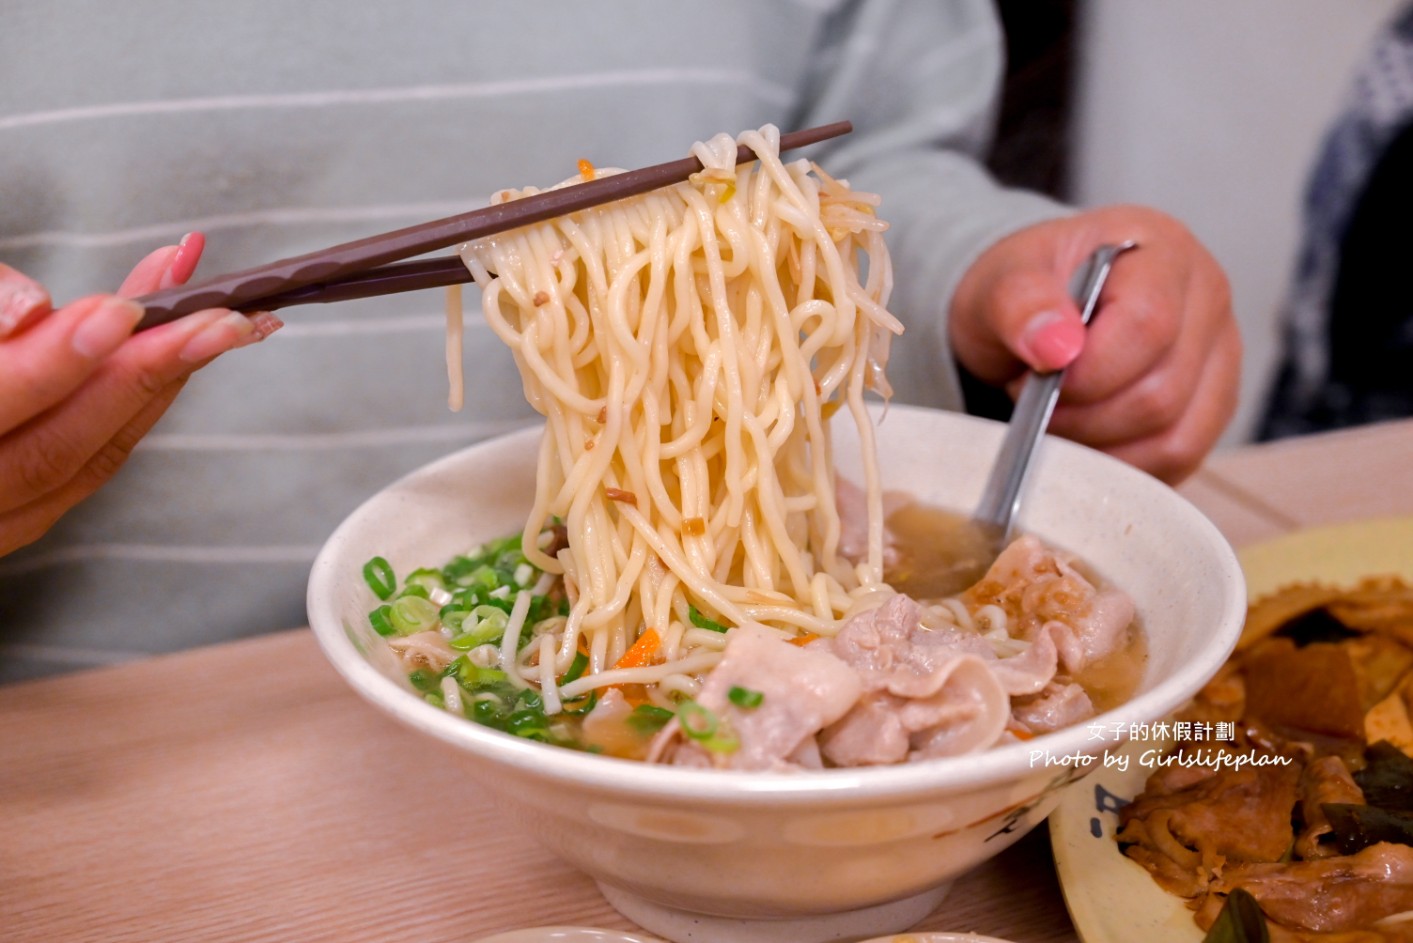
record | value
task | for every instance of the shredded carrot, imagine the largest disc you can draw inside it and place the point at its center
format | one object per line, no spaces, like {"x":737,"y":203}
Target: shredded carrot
{"x":586,"y":169}
{"x":803,"y":640}
{"x":1021,"y":733}
{"x":642,"y":652}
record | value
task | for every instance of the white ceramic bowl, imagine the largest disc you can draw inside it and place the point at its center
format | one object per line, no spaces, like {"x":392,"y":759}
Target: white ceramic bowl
{"x":594,"y":935}
{"x":698,"y":855}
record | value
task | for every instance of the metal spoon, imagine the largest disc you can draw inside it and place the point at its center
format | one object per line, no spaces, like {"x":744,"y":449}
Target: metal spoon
{"x":995,"y":516}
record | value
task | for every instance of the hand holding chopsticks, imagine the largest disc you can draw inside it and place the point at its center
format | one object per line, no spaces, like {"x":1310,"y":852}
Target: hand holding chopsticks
{"x":77,"y":391}
{"x":361,"y":269}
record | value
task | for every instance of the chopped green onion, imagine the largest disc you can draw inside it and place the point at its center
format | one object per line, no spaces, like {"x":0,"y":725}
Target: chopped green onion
{"x":702,"y":725}
{"x":697,"y":722}
{"x":722,"y":743}
{"x":379,"y":620}
{"x":409,"y":614}
{"x":648,"y":719}
{"x":576,"y":668}
{"x":744,"y":697}
{"x":528,"y":723}
{"x":481,"y":576}
{"x":378,"y":574}
{"x":487,"y":712}
{"x":426,"y":578}
{"x":474,"y":595}
{"x":702,"y":622}
{"x":481,"y":625}
{"x":474,"y":677}
{"x":425,"y":681}
{"x":586,"y":704}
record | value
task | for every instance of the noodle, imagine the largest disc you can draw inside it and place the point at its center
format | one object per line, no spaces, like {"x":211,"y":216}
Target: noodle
{"x":693,"y":584}
{"x":687,"y":348}
{"x":455,"y":330}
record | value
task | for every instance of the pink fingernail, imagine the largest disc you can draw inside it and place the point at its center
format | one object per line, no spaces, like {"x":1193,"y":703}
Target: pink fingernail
{"x":1052,"y":341}
{"x":17,"y":301}
{"x":188,"y":253}
{"x":229,"y":331}
{"x":106,"y":327}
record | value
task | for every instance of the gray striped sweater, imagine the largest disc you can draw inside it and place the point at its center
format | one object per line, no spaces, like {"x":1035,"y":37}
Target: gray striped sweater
{"x":279,"y":126}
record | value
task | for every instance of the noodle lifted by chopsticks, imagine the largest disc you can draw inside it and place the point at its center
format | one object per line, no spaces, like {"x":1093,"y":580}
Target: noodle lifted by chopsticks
{"x":687,"y":349}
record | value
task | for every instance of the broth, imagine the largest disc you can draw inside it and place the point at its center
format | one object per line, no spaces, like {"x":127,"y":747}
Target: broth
{"x":935,"y":554}
{"x":939,"y":553}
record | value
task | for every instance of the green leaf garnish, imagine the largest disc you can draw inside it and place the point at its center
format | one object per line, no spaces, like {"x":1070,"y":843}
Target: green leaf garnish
{"x":1240,"y":921}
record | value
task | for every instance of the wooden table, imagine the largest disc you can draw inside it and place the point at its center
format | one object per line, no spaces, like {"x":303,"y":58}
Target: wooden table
{"x":243,"y":793}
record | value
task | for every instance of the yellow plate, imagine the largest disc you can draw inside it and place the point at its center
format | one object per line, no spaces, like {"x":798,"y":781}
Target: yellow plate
{"x":1113,"y":900}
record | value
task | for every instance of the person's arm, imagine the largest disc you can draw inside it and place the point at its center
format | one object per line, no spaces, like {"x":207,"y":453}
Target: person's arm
{"x":920,"y":82}
{"x":983,"y":271}
{"x":78,"y":390}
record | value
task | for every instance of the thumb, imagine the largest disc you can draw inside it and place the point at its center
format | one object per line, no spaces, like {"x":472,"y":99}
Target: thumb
{"x":1035,"y":319}
{"x":1050,"y":340}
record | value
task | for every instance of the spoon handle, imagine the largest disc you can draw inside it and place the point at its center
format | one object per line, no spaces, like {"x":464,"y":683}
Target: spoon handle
{"x":1000,"y":501}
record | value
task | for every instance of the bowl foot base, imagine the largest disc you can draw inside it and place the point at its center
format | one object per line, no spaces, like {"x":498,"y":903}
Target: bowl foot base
{"x":681,"y":926}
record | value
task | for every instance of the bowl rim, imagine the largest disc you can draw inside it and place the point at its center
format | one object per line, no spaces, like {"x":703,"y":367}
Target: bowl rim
{"x":835,"y":786}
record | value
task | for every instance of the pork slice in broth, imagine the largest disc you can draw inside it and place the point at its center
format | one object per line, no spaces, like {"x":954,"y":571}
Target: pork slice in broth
{"x":802,"y":691}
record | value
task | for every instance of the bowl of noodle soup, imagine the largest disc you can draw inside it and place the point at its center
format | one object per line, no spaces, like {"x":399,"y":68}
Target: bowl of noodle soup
{"x":704,"y":438}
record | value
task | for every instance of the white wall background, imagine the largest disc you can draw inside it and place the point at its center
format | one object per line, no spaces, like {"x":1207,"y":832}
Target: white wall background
{"x":1212,"y":110}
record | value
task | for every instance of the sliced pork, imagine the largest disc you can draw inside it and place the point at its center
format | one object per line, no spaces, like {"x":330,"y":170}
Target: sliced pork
{"x":1060,"y":704}
{"x":1041,"y":592}
{"x":923,"y":697}
{"x":802,"y":691}
{"x":901,"y":682}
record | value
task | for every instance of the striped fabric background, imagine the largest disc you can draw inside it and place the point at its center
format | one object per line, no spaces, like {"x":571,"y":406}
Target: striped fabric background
{"x":278,"y":126}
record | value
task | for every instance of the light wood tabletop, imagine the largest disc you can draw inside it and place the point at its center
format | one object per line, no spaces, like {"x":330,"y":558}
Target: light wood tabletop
{"x":243,"y":793}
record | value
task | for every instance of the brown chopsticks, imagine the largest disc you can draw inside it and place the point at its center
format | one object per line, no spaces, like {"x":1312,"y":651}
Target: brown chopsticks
{"x":391,"y":279}
{"x":360,"y":269}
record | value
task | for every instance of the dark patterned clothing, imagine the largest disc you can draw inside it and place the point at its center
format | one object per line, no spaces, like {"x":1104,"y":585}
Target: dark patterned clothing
{"x":1348,"y":323}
